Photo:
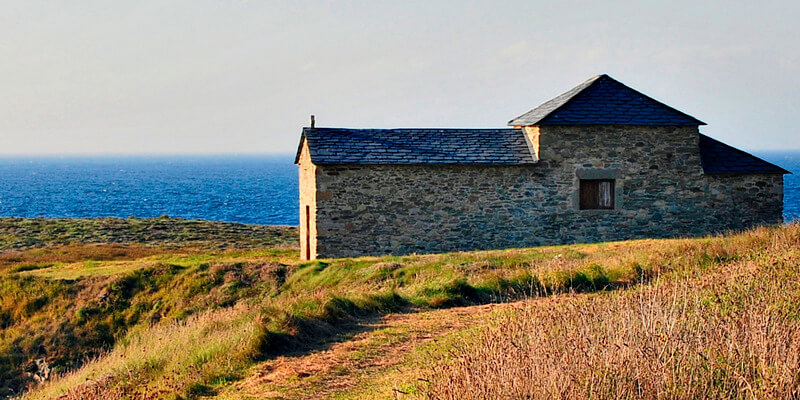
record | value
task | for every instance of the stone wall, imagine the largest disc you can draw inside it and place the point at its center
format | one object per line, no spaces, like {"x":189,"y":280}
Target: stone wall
{"x":661,"y":191}
{"x":746,"y":200}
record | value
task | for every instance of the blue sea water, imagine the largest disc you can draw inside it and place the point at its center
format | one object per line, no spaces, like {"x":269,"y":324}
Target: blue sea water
{"x":788,"y":160}
{"x":247,"y":189}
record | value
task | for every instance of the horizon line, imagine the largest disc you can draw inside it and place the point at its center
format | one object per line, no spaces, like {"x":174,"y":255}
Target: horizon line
{"x":158,"y":154}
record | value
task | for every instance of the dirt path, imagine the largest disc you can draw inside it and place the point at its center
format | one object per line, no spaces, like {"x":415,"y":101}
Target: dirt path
{"x":346,"y":364}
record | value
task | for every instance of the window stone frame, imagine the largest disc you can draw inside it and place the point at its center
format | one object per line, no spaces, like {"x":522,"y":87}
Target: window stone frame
{"x":598,"y":173}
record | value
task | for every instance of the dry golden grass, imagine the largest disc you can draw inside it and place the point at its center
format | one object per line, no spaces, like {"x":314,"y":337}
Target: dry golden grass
{"x":166,"y":360}
{"x":733,"y":333}
{"x":20,"y":260}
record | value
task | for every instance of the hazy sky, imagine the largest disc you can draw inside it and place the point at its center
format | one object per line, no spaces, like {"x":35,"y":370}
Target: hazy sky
{"x":243,"y":76}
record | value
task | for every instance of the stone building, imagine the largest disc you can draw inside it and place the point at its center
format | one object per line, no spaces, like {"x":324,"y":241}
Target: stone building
{"x":600,"y":162}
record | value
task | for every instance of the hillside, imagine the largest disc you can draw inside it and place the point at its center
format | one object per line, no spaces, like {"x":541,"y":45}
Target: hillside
{"x":168,"y":308}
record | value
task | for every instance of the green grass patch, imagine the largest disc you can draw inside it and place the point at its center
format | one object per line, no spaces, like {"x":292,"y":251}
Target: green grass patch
{"x":272,"y":303}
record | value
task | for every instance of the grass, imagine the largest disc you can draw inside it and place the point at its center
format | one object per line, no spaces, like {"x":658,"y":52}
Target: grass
{"x":190,"y":356}
{"x":96,"y":268}
{"x":27,"y":233}
{"x":189,"y":323}
{"x":731,"y":334}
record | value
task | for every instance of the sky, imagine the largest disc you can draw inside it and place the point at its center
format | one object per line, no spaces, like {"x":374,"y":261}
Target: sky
{"x":167,"y":77}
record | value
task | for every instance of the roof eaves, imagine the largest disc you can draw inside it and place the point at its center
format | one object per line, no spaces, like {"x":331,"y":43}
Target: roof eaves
{"x":300,"y":147}
{"x":778,"y":169}
{"x":303,"y":139}
{"x":475,"y":163}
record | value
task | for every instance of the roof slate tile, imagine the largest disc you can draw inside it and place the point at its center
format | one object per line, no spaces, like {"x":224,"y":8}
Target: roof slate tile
{"x":603,"y":100}
{"x":418,"y":146}
{"x":599,"y":101}
{"x":719,"y":158}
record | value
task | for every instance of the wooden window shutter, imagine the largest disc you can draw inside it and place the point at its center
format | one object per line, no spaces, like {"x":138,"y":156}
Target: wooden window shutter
{"x":596,"y":194}
{"x":588,"y":194}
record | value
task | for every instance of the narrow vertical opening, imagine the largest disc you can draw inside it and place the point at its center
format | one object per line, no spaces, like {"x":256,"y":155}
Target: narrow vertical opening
{"x":308,"y":233}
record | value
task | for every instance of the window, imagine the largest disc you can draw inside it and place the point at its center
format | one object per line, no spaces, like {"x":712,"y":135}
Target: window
{"x":597,"y":194}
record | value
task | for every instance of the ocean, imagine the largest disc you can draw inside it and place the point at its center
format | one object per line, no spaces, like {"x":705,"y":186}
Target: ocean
{"x":788,"y":160}
{"x":246,"y":189}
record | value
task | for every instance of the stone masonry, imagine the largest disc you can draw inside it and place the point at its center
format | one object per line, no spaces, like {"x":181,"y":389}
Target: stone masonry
{"x":661,"y":191}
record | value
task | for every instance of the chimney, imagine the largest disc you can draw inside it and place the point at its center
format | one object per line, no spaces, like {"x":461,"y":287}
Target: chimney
{"x":312,"y":120}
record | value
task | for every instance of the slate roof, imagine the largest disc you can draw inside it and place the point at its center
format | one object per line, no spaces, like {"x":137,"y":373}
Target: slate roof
{"x":417,"y":146}
{"x":719,"y":158}
{"x":603,"y":100}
